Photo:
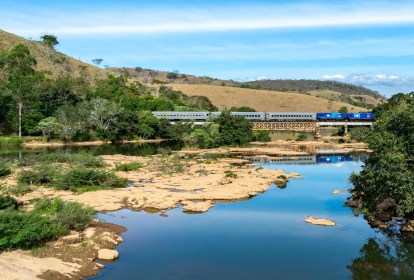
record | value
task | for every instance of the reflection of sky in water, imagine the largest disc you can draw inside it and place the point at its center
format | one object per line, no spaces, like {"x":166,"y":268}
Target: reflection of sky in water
{"x":261,"y":238}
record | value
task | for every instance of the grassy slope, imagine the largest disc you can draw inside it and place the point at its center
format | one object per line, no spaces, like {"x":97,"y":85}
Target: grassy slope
{"x":53,"y":63}
{"x":263,"y":100}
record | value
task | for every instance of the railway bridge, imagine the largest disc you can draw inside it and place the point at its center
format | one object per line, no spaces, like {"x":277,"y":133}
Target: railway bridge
{"x":307,"y":126}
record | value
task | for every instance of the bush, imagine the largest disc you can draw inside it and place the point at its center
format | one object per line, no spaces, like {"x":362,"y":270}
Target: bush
{"x":80,"y":159}
{"x":70,"y":215}
{"x":230,"y":174}
{"x":11,"y":140}
{"x":43,"y":175}
{"x":261,"y":136}
{"x":7,"y":201}
{"x":5,"y":170}
{"x":130,"y":166}
{"x":301,"y":137}
{"x":19,"y":189}
{"x":81,"y":178}
{"x":26,"y":230}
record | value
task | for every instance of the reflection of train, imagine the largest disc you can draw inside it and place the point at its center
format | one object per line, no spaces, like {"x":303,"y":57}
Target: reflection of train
{"x":310,"y":159}
{"x":267,"y":116}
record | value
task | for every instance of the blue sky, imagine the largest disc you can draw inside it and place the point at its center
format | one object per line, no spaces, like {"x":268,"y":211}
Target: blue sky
{"x":369,"y":43}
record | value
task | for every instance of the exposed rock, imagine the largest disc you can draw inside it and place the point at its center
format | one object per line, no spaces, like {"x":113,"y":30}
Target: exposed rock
{"x":353,"y":203}
{"x":408,"y":226}
{"x":71,"y":239}
{"x":89,"y":232}
{"x":374,"y":222}
{"x":202,"y":206}
{"x":319,"y":221}
{"x":109,"y":240}
{"x":336,"y":192}
{"x":107,"y":254}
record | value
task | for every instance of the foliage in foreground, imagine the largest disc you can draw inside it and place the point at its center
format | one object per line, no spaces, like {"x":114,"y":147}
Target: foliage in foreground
{"x":389,"y":172}
{"x":50,"y":220}
{"x":74,"y":179}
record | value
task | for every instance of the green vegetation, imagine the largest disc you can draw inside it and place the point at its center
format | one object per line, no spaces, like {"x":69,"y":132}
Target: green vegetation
{"x":130,"y":166}
{"x":386,"y":183}
{"x":50,"y":220}
{"x":83,"y":179}
{"x":359,"y":134}
{"x":230,"y":174}
{"x":8,"y":202}
{"x":261,"y":136}
{"x":10,"y":140}
{"x":302,"y":137}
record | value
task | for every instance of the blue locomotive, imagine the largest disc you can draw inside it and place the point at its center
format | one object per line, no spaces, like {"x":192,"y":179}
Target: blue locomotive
{"x":331,"y":116}
{"x":360,"y":116}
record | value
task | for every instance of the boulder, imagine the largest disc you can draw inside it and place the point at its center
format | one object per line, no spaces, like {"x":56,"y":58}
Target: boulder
{"x":107,"y":254}
{"x":71,"y":239}
{"x":408,"y":226}
{"x":319,"y":221}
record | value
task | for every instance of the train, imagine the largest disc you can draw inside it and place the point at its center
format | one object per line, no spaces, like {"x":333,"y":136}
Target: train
{"x":267,"y":116}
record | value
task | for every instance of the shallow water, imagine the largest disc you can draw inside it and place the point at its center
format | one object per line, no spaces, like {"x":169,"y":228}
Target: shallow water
{"x":263,"y":238}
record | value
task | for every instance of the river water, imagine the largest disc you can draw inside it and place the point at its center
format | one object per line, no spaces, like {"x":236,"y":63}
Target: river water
{"x":264,"y":237}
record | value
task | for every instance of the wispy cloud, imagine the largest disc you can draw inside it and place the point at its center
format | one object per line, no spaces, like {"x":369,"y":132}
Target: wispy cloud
{"x":211,"y":19}
{"x":387,"y":84}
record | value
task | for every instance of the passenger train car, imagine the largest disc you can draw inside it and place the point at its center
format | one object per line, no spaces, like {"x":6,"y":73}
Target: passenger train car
{"x":266,"y":116}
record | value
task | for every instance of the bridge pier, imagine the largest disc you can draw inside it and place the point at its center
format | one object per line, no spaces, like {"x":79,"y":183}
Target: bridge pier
{"x":345,"y":130}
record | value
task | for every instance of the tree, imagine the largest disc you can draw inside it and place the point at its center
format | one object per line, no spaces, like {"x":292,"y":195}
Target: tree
{"x":105,"y":115}
{"x":49,"y":40}
{"x":97,"y":61}
{"x":21,"y":77}
{"x":388,"y":175}
{"x":233,"y":130}
{"x":48,"y":126}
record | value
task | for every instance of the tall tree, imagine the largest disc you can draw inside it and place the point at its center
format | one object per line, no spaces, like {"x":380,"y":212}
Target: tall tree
{"x":20,"y":77}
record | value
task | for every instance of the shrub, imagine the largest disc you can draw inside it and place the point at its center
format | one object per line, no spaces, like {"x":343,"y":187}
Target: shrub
{"x":301,"y":137}
{"x":261,"y":136}
{"x":43,"y":175}
{"x":7,"y":201}
{"x":26,"y":230}
{"x":70,"y":215}
{"x":11,"y":140}
{"x":80,"y":159}
{"x":130,"y":166}
{"x":19,"y":189}
{"x":230,"y":174}
{"x":5,"y":170}
{"x":78,"y":178}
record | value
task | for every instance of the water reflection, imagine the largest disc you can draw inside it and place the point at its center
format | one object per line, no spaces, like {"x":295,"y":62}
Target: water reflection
{"x":389,"y":256}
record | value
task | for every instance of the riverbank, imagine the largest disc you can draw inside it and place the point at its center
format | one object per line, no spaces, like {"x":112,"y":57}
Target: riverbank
{"x":163,"y":182}
{"x":42,"y":144}
{"x":70,"y":257}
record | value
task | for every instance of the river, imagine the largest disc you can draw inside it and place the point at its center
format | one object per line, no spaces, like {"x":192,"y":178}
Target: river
{"x":264,"y":237}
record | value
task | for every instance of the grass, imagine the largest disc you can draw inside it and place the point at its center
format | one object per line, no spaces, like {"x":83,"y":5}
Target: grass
{"x":10,"y":141}
{"x":263,"y":100}
{"x":230,"y":174}
{"x":168,"y":164}
{"x":130,"y":166}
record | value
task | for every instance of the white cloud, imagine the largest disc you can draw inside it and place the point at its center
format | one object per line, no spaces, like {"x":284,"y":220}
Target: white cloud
{"x":210,"y":19}
{"x":261,"y":78}
{"x":334,"y":77}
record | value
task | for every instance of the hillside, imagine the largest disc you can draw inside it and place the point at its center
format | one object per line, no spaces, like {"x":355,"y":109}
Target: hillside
{"x":331,"y":90}
{"x":348,"y":93}
{"x":287,"y":95}
{"x":52,"y":62}
{"x":263,"y":100}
